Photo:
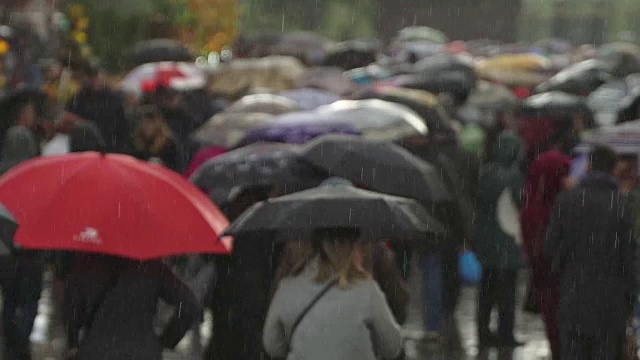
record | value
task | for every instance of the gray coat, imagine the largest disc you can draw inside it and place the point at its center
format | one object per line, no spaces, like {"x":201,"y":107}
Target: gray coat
{"x":352,"y":324}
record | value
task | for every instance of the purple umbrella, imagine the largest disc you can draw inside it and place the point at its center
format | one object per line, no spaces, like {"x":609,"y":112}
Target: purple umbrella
{"x":310,"y":99}
{"x":298,"y":128}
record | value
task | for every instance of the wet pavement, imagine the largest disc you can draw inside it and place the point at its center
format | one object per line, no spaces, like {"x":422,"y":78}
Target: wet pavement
{"x":48,"y":340}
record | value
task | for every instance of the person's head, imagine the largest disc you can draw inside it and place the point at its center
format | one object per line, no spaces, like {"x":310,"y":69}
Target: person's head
{"x":565,"y":137}
{"x":168,"y":98}
{"x":86,"y":137}
{"x":341,"y":255}
{"x":88,"y":74}
{"x":627,"y":172}
{"x":152,"y":132}
{"x":603,"y":159}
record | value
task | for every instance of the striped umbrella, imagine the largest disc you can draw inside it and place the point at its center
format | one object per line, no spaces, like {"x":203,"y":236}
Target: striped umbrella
{"x":623,"y":138}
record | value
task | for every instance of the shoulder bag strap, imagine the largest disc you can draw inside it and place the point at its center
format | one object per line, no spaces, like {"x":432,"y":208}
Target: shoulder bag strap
{"x":309,"y":306}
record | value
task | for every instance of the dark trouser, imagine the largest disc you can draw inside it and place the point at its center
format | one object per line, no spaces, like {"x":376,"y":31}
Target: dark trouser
{"x":20,"y":307}
{"x":581,"y":346}
{"x":498,"y":287}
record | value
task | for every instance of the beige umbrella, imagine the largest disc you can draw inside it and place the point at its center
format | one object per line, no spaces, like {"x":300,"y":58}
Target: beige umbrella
{"x":275,"y":73}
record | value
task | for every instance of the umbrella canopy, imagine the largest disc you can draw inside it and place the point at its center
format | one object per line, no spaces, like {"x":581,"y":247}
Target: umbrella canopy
{"x":354,"y":54}
{"x":308,"y":46}
{"x":310,"y":99}
{"x":629,"y":107}
{"x":378,"y":166}
{"x":623,"y":138}
{"x":456,"y":83}
{"x":377,"y":216}
{"x":228,"y":129}
{"x":256,"y":165}
{"x":515,"y":62}
{"x":329,"y":79}
{"x":158,"y":50}
{"x":8,"y":228}
{"x":492,"y":97}
{"x":140,"y":211}
{"x":263,"y":103}
{"x":422,"y":33}
{"x":176,"y":75}
{"x":277,"y":73}
{"x":423,"y":103}
{"x":579,"y":79}
{"x":444,"y":63}
{"x":298,"y":128}
{"x":557,"y":104}
{"x":528,"y":70}
{"x":609,"y":99}
{"x":620,"y":58}
{"x":377,"y":119}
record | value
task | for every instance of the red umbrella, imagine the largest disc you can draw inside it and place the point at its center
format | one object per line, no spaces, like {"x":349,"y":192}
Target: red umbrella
{"x":111,"y":204}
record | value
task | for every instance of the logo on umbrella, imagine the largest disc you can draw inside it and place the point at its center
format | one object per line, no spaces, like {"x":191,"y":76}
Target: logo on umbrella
{"x":88,"y":236}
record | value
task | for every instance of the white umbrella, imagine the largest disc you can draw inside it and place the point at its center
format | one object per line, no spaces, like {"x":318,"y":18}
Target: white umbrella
{"x":180,"y":76}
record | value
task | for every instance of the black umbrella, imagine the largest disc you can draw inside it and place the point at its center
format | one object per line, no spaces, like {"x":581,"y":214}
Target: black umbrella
{"x":558,"y":104}
{"x":353,"y":54}
{"x":261,"y":165}
{"x":378,"y":166}
{"x":456,"y":83}
{"x":579,"y":79}
{"x":158,"y":50}
{"x":437,"y":64}
{"x":629,"y":108}
{"x":8,"y":227}
{"x":376,"y":216}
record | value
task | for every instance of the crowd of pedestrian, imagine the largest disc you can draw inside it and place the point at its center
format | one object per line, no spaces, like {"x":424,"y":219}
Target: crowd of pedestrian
{"x":512,"y":192}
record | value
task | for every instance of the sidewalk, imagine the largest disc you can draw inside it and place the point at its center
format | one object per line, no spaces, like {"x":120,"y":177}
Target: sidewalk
{"x":48,"y":343}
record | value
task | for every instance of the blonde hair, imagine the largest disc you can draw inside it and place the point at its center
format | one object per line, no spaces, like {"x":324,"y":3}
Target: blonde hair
{"x":335,"y":252}
{"x":337,"y":259}
{"x":295,"y":258}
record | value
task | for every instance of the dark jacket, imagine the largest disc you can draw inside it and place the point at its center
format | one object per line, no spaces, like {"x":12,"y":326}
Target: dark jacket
{"x":115,"y":302}
{"x":105,"y":108}
{"x":495,"y":248}
{"x":86,"y":137}
{"x":19,"y":145}
{"x":21,"y":271}
{"x":590,"y":244}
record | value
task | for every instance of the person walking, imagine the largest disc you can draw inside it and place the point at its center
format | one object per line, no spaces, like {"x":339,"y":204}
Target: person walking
{"x":332,"y":308}
{"x":497,"y":247}
{"x":21,"y":273}
{"x":590,"y":246}
{"x":111,"y":303}
{"x":154,"y":141}
{"x":547,"y":176}
{"x":96,"y":102}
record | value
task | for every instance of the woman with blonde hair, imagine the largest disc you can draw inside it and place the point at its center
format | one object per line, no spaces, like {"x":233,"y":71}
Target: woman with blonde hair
{"x":154,"y":141}
{"x":330,"y":307}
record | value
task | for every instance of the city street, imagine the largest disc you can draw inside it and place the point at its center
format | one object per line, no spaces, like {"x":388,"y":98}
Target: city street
{"x":49,"y":344}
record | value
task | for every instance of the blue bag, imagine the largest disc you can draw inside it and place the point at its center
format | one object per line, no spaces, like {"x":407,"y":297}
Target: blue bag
{"x":469,"y":268}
